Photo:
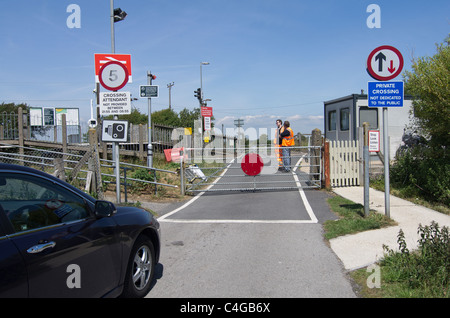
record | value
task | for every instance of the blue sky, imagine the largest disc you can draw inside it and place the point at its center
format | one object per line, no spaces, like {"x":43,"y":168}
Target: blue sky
{"x":268,"y":59}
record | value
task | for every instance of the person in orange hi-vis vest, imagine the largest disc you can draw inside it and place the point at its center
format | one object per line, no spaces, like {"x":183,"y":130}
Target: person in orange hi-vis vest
{"x":277,"y":141}
{"x":287,"y":135}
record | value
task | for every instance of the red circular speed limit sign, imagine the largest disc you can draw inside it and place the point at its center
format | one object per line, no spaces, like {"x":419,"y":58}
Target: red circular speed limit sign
{"x":385,"y":63}
{"x":252,"y":164}
{"x":113,"y":75}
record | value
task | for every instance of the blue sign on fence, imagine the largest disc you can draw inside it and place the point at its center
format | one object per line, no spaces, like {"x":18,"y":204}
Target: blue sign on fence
{"x":385,"y":94}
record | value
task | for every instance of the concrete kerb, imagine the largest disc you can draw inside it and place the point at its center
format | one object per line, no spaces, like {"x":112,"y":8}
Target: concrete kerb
{"x":365,"y":248}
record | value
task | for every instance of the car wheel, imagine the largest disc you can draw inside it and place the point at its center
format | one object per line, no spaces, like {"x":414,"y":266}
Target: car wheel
{"x":141,"y":267}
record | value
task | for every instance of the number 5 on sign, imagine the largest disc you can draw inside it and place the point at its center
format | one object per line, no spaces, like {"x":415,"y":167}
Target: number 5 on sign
{"x":113,"y":76}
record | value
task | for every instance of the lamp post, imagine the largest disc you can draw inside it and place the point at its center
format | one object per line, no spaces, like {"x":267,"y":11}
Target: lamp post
{"x":201,"y":82}
{"x":201,"y":99}
{"x":116,"y":15}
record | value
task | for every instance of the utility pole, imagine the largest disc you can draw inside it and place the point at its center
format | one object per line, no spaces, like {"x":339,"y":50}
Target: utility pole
{"x":169,"y":86}
{"x":150,"y":146}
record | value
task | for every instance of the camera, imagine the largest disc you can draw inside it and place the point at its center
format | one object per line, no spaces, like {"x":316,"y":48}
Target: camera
{"x":117,"y":131}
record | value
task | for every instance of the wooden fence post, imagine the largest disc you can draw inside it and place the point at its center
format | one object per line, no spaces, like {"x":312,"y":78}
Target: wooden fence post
{"x":94,"y":165}
{"x":20,"y":129}
{"x":64,"y":135}
{"x":326,"y":164}
{"x":316,"y":141}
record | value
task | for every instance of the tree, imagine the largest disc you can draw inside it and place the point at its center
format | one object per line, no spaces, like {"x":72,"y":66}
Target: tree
{"x":166,"y":117}
{"x":9,"y":118}
{"x":12,"y":108}
{"x":423,"y":170}
{"x":135,"y":117}
{"x":188,"y":117}
{"x":429,"y":84}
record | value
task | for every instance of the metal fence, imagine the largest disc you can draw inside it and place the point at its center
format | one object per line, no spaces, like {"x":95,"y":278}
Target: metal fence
{"x":223,"y":172}
{"x":77,"y":167}
{"x":8,"y":125}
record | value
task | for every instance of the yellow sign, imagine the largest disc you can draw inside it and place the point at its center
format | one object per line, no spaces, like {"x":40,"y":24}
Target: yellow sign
{"x":188,"y":131}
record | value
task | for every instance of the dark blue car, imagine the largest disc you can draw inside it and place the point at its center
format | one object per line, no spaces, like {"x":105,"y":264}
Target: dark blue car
{"x":57,"y":241}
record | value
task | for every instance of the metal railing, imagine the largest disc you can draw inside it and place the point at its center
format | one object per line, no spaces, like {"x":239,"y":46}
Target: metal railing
{"x":223,"y":171}
{"x":54,"y":161}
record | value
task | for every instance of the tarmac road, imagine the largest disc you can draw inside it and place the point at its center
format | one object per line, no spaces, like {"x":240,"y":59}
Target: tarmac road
{"x":249,"y":244}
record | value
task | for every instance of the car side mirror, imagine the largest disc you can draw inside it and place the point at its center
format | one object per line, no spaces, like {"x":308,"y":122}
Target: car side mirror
{"x":104,"y":208}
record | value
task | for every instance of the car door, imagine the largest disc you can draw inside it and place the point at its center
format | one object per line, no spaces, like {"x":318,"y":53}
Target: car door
{"x":68,"y":251}
{"x":13,"y":273}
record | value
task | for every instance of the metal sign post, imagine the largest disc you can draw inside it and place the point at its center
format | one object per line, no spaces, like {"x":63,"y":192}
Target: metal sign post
{"x":115,"y":131}
{"x":114,"y":75}
{"x":387,"y":209}
{"x":366,"y":159}
{"x":149,"y":91}
{"x":383,"y":64}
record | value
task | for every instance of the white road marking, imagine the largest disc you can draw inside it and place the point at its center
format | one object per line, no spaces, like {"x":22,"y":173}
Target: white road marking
{"x":302,"y":193}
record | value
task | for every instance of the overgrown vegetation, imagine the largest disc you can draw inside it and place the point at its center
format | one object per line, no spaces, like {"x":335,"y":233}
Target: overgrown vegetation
{"x":423,"y":273}
{"x":140,"y":191}
{"x":405,"y":185}
{"x":423,"y":170}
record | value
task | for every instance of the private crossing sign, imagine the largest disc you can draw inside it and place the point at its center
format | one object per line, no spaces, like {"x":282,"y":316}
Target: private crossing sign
{"x":385,"y":94}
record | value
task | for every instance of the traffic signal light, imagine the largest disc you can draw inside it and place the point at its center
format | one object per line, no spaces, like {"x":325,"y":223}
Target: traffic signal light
{"x":198,"y":94}
{"x":119,"y":15}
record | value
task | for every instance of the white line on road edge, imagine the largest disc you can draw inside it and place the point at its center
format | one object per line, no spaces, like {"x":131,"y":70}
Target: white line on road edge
{"x":302,"y":193}
{"x":239,"y":221}
{"x":163,"y":218}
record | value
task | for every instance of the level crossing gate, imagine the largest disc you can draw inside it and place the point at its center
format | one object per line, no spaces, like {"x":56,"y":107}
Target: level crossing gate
{"x":223,"y":172}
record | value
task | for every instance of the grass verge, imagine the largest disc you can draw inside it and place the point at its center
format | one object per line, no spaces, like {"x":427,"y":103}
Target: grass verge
{"x":352,"y":219}
{"x":423,"y":273}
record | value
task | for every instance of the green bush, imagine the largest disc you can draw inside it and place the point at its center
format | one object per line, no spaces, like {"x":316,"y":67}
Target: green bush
{"x":144,"y":174}
{"x":423,"y":172}
{"x":140,"y":187}
{"x":425,"y":273}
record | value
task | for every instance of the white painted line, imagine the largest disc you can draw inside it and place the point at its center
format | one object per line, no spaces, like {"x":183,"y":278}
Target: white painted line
{"x":239,"y":221}
{"x":302,"y":193}
{"x":163,"y":218}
